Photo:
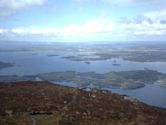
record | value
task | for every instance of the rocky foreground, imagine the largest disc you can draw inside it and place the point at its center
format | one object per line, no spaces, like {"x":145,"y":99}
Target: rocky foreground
{"x":41,"y":103}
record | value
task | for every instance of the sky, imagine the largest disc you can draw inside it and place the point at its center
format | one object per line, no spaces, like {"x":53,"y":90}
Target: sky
{"x":82,"y":20}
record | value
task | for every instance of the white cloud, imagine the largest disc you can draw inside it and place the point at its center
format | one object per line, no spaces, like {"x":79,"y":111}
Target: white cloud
{"x":126,"y":2}
{"x":92,"y":26}
{"x":16,"y":4}
{"x":84,"y":30}
{"x":148,"y":25}
{"x":156,"y":16}
{"x":80,"y":0}
{"x":3,"y":31}
{"x":7,"y":7}
{"x":144,"y":28}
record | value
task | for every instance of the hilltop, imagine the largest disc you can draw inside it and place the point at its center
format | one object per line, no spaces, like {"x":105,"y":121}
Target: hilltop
{"x":42,"y":103}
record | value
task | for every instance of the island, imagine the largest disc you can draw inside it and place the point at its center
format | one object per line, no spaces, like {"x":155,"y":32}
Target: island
{"x":136,"y":56}
{"x":132,"y":52}
{"x":138,"y":52}
{"x":52,"y":55}
{"x":5,"y":64}
{"x":122,"y":79}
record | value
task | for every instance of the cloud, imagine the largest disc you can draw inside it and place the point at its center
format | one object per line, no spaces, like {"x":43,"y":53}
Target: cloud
{"x":123,"y":2}
{"x":7,"y":7}
{"x":80,"y":0}
{"x":150,"y":24}
{"x":85,"y":30}
{"x":3,"y":31}
{"x":156,"y":16}
{"x":126,"y":2}
{"x":144,"y":28}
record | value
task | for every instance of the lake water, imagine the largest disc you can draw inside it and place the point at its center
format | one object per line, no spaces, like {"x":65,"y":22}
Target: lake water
{"x":151,"y":94}
{"x":32,"y":63}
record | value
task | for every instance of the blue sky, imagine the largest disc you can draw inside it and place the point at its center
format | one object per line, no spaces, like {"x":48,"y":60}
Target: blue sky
{"x":82,"y":20}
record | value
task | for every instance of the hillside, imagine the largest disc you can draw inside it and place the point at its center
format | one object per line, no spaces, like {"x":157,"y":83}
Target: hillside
{"x":41,"y":103}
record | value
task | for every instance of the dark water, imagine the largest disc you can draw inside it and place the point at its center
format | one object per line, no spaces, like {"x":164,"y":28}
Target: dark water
{"x":32,"y":63}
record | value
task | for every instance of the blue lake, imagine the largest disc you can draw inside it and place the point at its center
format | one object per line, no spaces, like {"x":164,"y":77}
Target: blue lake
{"x":151,"y":94}
{"x":32,"y":63}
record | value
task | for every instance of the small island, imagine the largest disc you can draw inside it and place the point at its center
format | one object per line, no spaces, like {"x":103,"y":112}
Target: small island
{"x":52,"y":55}
{"x":5,"y":64}
{"x":87,"y":62}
